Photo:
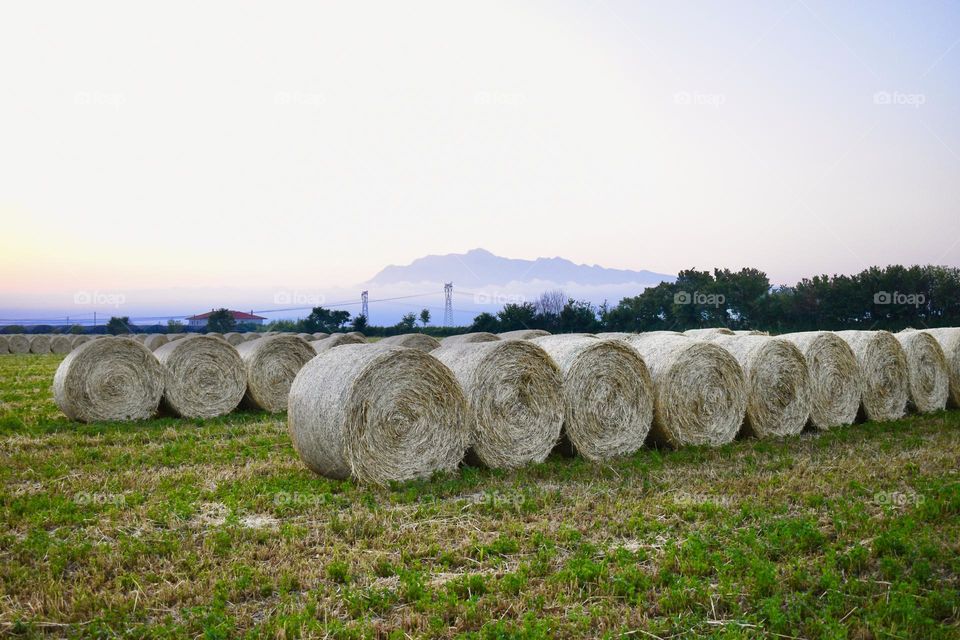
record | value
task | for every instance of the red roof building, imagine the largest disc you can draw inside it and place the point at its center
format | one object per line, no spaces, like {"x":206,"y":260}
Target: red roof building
{"x":241,"y":317}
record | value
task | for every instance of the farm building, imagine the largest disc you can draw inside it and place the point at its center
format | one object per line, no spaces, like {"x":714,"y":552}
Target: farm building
{"x":200,"y":320}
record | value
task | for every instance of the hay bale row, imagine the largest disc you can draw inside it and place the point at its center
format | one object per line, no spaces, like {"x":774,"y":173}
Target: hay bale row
{"x":928,"y":373}
{"x":271,"y":365}
{"x":834,"y":377}
{"x":884,"y":372}
{"x":949,"y":341}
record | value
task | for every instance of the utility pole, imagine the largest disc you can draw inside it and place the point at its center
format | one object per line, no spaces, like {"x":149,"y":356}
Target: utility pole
{"x":448,"y":304}
{"x":364,"y":306}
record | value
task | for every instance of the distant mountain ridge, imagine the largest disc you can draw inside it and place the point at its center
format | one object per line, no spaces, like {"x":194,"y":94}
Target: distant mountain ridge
{"x":479,"y":267}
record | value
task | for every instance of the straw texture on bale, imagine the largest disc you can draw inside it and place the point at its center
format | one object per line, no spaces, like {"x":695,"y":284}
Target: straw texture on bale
{"x":614,"y":335}
{"x":523,"y":334}
{"x":234,"y":337}
{"x":514,"y":390}
{"x":883,"y":371}
{"x":18,"y":343}
{"x":419,"y":341}
{"x":306,"y":336}
{"x":378,"y":414}
{"x":61,"y":344}
{"x":271,"y":364}
{"x":40,"y":344}
{"x":4,"y":348}
{"x":248,"y":337}
{"x":357,"y":334}
{"x":928,"y":371}
{"x":214,"y":334}
{"x":699,"y":390}
{"x":155,"y":340}
{"x":708,"y":332}
{"x":835,"y":383}
{"x":949,"y":340}
{"x":777,"y":382}
{"x":335,"y":340}
{"x":110,"y":379}
{"x":319,"y":335}
{"x":468,"y":338}
{"x":608,"y":394}
{"x":76,"y":341}
{"x":139,"y":337}
{"x":203,"y":377}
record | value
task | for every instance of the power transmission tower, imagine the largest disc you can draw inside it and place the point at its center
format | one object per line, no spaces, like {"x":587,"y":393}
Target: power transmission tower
{"x":448,"y":304}
{"x":364,"y":308}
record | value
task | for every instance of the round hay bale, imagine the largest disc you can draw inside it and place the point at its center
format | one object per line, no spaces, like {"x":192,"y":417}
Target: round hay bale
{"x":514,"y":390}
{"x":949,"y":340}
{"x":76,"y":341}
{"x":778,"y":394}
{"x":271,"y":365}
{"x":751,"y":332}
{"x":18,"y":343}
{"x":335,"y":340}
{"x":4,"y":345}
{"x":249,"y":337}
{"x":234,"y":337}
{"x":140,"y":337}
{"x":40,"y":344}
{"x":523,"y":334}
{"x":700,"y":393}
{"x":61,"y":344}
{"x":608,"y":394}
{"x":155,"y":340}
{"x":419,"y":341}
{"x":378,"y":414}
{"x":357,"y":334}
{"x":319,"y":335}
{"x":883,"y":371}
{"x":469,"y":338}
{"x":203,"y":377}
{"x":708,"y":332}
{"x":111,"y":379}
{"x":928,"y":371}
{"x":835,"y":383}
{"x":214,"y":334}
{"x":306,"y":336}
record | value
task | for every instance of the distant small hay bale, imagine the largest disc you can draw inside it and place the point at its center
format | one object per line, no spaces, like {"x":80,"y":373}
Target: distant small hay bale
{"x":204,"y":377}
{"x":420,"y":341}
{"x":155,"y":340}
{"x":700,"y":391}
{"x":139,"y":337}
{"x":778,"y":387}
{"x":4,"y":345}
{"x":319,"y":335}
{"x":608,"y":394}
{"x":949,"y":340}
{"x":18,"y":343}
{"x":884,"y":372}
{"x":710,"y":331}
{"x":335,"y":340}
{"x":251,"y":336}
{"x":379,"y":414}
{"x":928,"y":371}
{"x":357,"y":334}
{"x":76,"y":341}
{"x":271,"y":365}
{"x":61,"y":344}
{"x":523,"y":334}
{"x":40,"y":344}
{"x":514,"y":390}
{"x":234,"y":337}
{"x":470,"y":338}
{"x":110,"y":379}
{"x":835,"y":382}
{"x":306,"y":336}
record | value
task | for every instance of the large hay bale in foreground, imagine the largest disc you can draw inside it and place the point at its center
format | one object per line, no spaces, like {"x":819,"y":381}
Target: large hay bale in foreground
{"x":949,"y":340}
{"x":700,"y":393}
{"x":470,"y":338}
{"x":523,"y":334}
{"x":203,"y":377}
{"x":18,"y":343}
{"x":378,"y":413}
{"x":61,"y":344}
{"x":515,"y":394}
{"x":155,"y":340}
{"x":928,"y":371}
{"x":420,"y":341}
{"x":835,"y":383}
{"x":234,"y":337}
{"x":335,"y":340}
{"x":884,"y":372}
{"x":608,"y":394}
{"x":778,"y":395}
{"x":109,"y":379}
{"x":271,"y":364}
{"x":40,"y":344}
{"x":708,"y":332}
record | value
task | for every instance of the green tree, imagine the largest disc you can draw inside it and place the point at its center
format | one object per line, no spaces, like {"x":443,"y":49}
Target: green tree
{"x":360,"y":323}
{"x":174,"y":326}
{"x":518,"y":316}
{"x":221,"y":321}
{"x":408,"y":322}
{"x":485,"y":322}
{"x":325,"y":320}
{"x":116,"y":326}
{"x":424,"y":317}
{"x":76,"y":329}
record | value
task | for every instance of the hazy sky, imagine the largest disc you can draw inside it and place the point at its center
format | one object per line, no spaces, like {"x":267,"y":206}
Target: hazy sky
{"x":233,"y":144}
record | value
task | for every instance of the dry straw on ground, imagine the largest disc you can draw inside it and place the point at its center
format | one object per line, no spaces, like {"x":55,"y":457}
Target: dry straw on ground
{"x":155,"y":340}
{"x":608,"y":394}
{"x":203,"y":377}
{"x":61,"y":344}
{"x":708,"y":332}
{"x":378,"y":414}
{"x":109,"y":379}
{"x":700,"y":394}
{"x":884,"y":372}
{"x":18,"y":343}
{"x":949,"y":340}
{"x":271,"y":364}
{"x":40,"y":344}
{"x":778,"y":396}
{"x":514,"y":390}
{"x":419,"y":341}
{"x":523,"y":334}
{"x":335,"y":340}
{"x":469,"y":338}
{"x":835,"y":383}
{"x":929,"y":373}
